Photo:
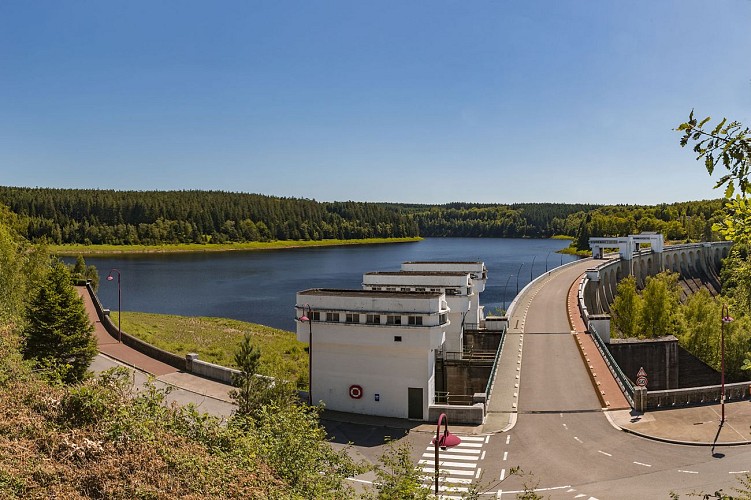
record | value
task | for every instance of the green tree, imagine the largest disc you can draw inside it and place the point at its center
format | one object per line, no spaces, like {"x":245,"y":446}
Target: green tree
{"x":626,"y":309}
{"x":397,"y":475}
{"x":58,"y":335}
{"x":660,"y":299}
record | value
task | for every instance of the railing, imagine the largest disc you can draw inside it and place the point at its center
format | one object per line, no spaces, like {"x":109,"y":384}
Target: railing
{"x":491,"y":377}
{"x":696,"y":395}
{"x":446,"y":398}
{"x":623,"y":381}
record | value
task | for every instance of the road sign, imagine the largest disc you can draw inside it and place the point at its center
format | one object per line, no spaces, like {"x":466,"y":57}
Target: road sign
{"x":641,"y":378}
{"x":641,"y":372}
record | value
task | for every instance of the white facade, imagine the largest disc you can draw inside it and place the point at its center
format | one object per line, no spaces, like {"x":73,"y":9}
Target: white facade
{"x":478,"y":274}
{"x":379,"y":345}
{"x":457,"y":287}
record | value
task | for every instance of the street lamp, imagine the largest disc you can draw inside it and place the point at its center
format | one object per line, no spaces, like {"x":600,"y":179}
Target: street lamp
{"x":532,"y":267}
{"x":309,"y":319}
{"x":546,"y":260}
{"x":517,"y":277}
{"x":119,"y":309}
{"x":504,"y":292}
{"x":443,"y":441}
{"x":725,"y":319}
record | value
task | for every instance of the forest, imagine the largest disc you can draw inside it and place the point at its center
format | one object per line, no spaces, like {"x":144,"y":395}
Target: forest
{"x":89,"y":216}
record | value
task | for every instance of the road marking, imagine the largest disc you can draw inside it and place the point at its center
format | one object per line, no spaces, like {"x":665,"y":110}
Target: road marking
{"x":565,"y":426}
{"x":473,"y":438}
{"x":738,"y":472}
{"x":570,"y":490}
{"x":645,"y":465}
{"x":477,"y":474}
{"x":503,"y":474}
{"x":482,"y":457}
{"x":473,"y":451}
{"x":431,"y":470}
{"x":444,"y":463}
{"x":508,"y":439}
{"x":442,"y":479}
{"x":604,"y":453}
{"x":448,"y":456}
{"x":688,"y":471}
{"x":360,"y":480}
{"x":580,"y":495}
{"x":578,"y":439}
{"x":505,"y":456}
{"x":541,"y":489}
{"x":487,"y":439}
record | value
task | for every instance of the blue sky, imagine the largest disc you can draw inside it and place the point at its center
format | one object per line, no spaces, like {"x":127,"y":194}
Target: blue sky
{"x":404,"y":101}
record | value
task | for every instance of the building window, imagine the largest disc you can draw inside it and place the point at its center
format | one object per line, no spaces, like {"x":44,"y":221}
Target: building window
{"x":333,"y":317}
{"x":419,"y":289}
{"x":316,"y":316}
{"x":390,"y":289}
{"x":393,"y":320}
{"x":376,"y":288}
{"x":373,"y":319}
{"x":435,"y":289}
{"x":415,"y":320}
{"x":452,"y":291}
{"x":397,"y":338}
{"x":405,"y":289}
{"x":353,"y":318}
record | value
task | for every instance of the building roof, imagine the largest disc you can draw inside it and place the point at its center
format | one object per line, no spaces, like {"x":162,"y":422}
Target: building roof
{"x":443,"y":262}
{"x":334,"y":292}
{"x":416,"y":273}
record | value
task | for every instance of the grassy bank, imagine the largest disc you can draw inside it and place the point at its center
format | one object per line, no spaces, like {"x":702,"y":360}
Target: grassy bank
{"x":216,"y":340}
{"x":87,"y":250}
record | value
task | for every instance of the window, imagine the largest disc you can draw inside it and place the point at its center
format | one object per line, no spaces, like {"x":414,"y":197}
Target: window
{"x":353,"y":318}
{"x":397,"y":338}
{"x":376,"y":288}
{"x":316,"y":316}
{"x":406,"y":289}
{"x":419,"y":289}
{"x":435,"y":289}
{"x":415,"y":320}
{"x":334,"y":317}
{"x":452,"y":291}
{"x":393,"y":320}
{"x":390,"y":289}
{"x":373,"y":319}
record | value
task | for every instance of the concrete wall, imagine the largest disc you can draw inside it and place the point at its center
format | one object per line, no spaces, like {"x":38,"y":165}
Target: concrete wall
{"x":467,"y":379}
{"x":658,"y":357}
{"x":458,"y":414}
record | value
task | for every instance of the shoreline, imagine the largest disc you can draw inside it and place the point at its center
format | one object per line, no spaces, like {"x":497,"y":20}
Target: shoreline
{"x":109,"y":250}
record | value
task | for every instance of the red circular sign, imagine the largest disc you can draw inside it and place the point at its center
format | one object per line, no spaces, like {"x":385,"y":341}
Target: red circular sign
{"x":641,"y":381}
{"x":355,"y":391}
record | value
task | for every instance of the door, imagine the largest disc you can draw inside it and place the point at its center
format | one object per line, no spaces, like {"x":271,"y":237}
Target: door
{"x":415,"y":403}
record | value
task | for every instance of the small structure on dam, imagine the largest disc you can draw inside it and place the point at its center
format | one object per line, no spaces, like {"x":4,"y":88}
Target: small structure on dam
{"x":407,"y":345}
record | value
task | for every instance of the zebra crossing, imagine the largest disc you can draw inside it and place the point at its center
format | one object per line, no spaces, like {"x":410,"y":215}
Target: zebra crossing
{"x":458,"y":466}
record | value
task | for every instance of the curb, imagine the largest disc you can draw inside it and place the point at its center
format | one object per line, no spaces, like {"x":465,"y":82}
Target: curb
{"x":680,"y":442}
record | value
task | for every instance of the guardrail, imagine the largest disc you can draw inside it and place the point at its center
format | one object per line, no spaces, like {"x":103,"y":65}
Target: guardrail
{"x":623,"y":381}
{"x":491,"y":377}
{"x":696,"y":395}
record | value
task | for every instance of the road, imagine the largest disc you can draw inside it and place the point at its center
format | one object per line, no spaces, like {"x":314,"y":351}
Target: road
{"x":564,"y":441}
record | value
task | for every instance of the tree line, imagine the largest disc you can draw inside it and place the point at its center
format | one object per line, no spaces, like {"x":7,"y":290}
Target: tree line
{"x":89,"y":216}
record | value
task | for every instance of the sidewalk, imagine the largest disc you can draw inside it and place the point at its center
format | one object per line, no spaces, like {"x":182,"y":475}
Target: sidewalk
{"x":163,"y":372}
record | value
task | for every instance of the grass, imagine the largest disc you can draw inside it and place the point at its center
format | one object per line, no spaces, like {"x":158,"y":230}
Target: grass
{"x":216,"y":339}
{"x":87,"y":250}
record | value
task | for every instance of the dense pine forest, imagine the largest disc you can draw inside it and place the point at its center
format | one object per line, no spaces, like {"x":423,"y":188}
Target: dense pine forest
{"x":90,"y":216}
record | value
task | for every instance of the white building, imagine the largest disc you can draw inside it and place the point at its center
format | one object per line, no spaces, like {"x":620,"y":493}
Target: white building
{"x":478,"y":274}
{"x":373,"y":352}
{"x":457,"y":286}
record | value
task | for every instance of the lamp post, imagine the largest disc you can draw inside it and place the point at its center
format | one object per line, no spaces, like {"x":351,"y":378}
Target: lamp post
{"x":309,"y":319}
{"x":119,"y":309}
{"x":517,"y":277}
{"x":532,"y":267}
{"x":725,"y":319}
{"x":443,"y":441}
{"x":546,"y":261}
{"x":504,"y":292}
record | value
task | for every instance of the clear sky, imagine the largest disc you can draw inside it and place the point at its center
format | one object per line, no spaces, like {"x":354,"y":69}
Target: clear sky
{"x":405,"y":101}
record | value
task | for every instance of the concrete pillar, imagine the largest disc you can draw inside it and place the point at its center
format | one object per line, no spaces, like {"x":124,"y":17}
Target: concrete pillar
{"x":640,"y":399}
{"x":189,"y":361}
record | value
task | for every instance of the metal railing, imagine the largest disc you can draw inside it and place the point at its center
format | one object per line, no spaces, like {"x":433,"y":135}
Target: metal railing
{"x":623,"y":381}
{"x":498,"y":353}
{"x":446,"y":398}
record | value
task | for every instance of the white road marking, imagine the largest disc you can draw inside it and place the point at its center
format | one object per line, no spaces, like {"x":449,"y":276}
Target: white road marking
{"x":360,"y":480}
{"x":443,"y":464}
{"x":570,"y":490}
{"x":503,"y":474}
{"x":487,"y":439}
{"x":482,"y":457}
{"x":508,"y":439}
{"x":457,"y":449}
{"x":565,"y":426}
{"x":688,"y":471}
{"x":456,"y":480}
{"x":645,"y":465}
{"x":431,"y":470}
{"x":578,"y":439}
{"x":738,"y":472}
{"x":505,"y":456}
{"x":448,"y":456}
{"x":604,"y":453}
{"x":541,"y":489}
{"x":580,"y":495}
{"x":477,"y":474}
{"x":473,"y":438}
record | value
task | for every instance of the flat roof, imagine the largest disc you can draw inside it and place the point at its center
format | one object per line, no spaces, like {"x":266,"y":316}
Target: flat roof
{"x":337,"y":292}
{"x":416,"y":273}
{"x":443,"y":262}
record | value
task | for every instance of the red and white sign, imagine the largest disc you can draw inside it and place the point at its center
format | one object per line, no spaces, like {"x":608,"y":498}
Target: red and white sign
{"x":355,"y":391}
{"x":641,"y":378}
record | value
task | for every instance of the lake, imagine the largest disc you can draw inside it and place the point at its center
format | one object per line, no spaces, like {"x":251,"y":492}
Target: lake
{"x":260,"y":286}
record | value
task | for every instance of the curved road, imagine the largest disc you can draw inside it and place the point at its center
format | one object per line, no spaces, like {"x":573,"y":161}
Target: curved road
{"x":566,"y":441}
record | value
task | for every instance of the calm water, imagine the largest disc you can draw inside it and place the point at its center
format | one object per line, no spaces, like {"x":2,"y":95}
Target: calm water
{"x":260,"y":287}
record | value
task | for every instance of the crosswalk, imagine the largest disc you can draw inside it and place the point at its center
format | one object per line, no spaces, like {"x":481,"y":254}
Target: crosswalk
{"x":458,"y":466}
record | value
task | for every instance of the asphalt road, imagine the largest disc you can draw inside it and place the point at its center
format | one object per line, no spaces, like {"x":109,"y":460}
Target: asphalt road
{"x":564,"y":441}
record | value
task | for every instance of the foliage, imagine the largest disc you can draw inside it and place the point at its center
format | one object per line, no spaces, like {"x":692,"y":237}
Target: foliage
{"x":215,"y":340}
{"x":660,"y":299}
{"x":397,"y":475}
{"x":626,"y":309}
{"x":81,"y":272}
{"x":59,"y":336}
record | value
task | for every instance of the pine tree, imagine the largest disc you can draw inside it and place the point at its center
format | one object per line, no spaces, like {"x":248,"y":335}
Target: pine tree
{"x":59,"y":336}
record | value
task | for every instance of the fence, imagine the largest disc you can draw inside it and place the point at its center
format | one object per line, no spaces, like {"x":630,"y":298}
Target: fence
{"x":623,"y":381}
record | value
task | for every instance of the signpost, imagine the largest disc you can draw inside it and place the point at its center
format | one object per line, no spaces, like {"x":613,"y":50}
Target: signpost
{"x":641,"y":378}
